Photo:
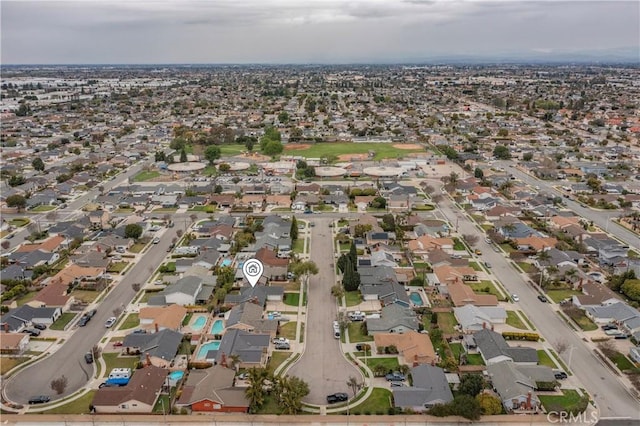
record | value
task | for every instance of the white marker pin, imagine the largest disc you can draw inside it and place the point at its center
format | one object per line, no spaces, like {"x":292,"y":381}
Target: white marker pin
{"x":252,"y":270}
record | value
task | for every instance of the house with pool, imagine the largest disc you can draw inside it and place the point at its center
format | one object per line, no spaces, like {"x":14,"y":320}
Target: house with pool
{"x":159,"y":349}
{"x":252,"y":349}
{"x":247,"y":316}
{"x":158,"y":318}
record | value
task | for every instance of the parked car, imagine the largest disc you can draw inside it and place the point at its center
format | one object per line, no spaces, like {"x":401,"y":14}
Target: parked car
{"x":478,"y":252}
{"x":609,"y":327}
{"x":542,"y":298}
{"x":156,"y":240}
{"x":277,"y":340}
{"x":515,"y":297}
{"x":282,"y":346}
{"x":84,"y":320}
{"x":109,"y":385}
{"x":397,"y":384}
{"x":337,"y":397}
{"x":32,"y":332}
{"x":361,"y":347}
{"x":559,"y":374}
{"x":110,"y":322}
{"x":396,"y":376}
{"x":91,"y":313}
{"x":39,"y":399}
{"x":39,"y":326}
{"x":88,"y":358}
{"x":139,"y":331}
{"x":487,"y":264}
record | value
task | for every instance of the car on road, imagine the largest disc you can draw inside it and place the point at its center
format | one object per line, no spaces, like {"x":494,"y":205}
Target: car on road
{"x":478,"y":252}
{"x":88,"y":358}
{"x":515,"y":297}
{"x":39,"y":399}
{"x":337,"y":397}
{"x":84,"y":321}
{"x":110,"y":322}
{"x":396,"y":376}
{"x":559,"y":374}
{"x":487,"y":264}
{"x":156,"y":240}
{"x":542,"y":298}
{"x":91,"y":313}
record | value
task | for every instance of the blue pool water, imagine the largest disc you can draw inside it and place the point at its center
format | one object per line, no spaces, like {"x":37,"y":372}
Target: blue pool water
{"x":176,"y":375}
{"x":199,"y":323}
{"x":217,"y":327}
{"x":212,"y":345}
{"x":415,"y":298}
{"x":226,"y":262}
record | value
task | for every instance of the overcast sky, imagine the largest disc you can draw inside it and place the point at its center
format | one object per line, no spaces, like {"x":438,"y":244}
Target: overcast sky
{"x":306,"y":31}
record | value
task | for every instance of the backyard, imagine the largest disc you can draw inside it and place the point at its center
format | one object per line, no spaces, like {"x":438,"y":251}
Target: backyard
{"x":447,"y":322}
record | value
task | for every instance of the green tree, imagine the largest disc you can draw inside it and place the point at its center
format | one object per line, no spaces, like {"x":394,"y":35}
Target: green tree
{"x":37,"y":164}
{"x":471,"y":384}
{"x":379,"y":203}
{"x":478,"y":173}
{"x":631,"y":289}
{"x":501,"y":152}
{"x":224,"y":167}
{"x":353,"y":255}
{"x":489,"y":404}
{"x":272,"y":148}
{"x":255,"y":392}
{"x":466,"y":406}
{"x":183,"y":156}
{"x":283,"y":117}
{"x":133,"y":230}
{"x":527,"y":156}
{"x":16,"y":180}
{"x":212,"y":153}
{"x":503,"y":133}
{"x":307,"y":268}
{"x":160,"y":156}
{"x":16,"y":200}
{"x":293,"y":232}
{"x":291,"y":390}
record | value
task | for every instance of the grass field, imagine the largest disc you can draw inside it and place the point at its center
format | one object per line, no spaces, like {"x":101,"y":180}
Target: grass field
{"x":7,"y":363}
{"x":447,"y":322}
{"x":355,"y":333}
{"x":390,"y":363}
{"x":378,"y":402}
{"x":352,"y":298}
{"x":514,"y":320}
{"x":77,"y":406}
{"x":40,"y":209}
{"x":545,"y":359}
{"x":232,"y":149}
{"x":277,"y":358}
{"x":382,"y":150}
{"x":559,"y":295}
{"x":288,"y":330}
{"x":62,"y":322}
{"x":143,"y":176}
{"x":292,"y":299}
{"x":131,"y":321}
{"x":112,"y":360}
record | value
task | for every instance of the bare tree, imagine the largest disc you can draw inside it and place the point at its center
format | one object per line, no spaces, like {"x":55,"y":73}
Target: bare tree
{"x":5,"y":244}
{"x":117,"y":312}
{"x":471,"y":239}
{"x":561,"y":346}
{"x":179,"y":233}
{"x":59,"y":385}
{"x":96,"y":351}
{"x":135,"y":287}
{"x":436,"y":198}
{"x":354,"y":385}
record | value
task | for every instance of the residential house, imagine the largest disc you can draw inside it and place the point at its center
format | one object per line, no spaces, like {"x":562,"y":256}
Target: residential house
{"x":252,"y":349}
{"x":213,"y":390}
{"x":426,"y":243}
{"x":634,"y":354}
{"x":516,"y":390}
{"x":430,"y":387}
{"x":275,"y":267}
{"x":99,"y":219}
{"x":461,"y":294}
{"x":17,"y":319}
{"x":455,"y":274}
{"x":394,"y":318}
{"x":258,"y":294}
{"x":247,"y":316}
{"x":189,"y":290}
{"x":158,"y":349}
{"x":494,"y":349}
{"x":158,"y":318}
{"x":594,"y":294}
{"x":535,"y":243}
{"x":13,"y":343}
{"x":138,"y":396}
{"x":474,"y":318}
{"x":414,"y":347}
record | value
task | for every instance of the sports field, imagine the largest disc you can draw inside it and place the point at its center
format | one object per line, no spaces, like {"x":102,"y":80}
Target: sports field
{"x":343,"y":149}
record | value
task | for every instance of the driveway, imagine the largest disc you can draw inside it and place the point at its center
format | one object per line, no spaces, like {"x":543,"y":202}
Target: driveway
{"x":322,"y":365}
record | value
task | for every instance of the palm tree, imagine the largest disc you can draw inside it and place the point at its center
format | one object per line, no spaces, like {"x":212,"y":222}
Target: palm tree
{"x":453,"y":180}
{"x":354,"y":385}
{"x":255,"y":392}
{"x":235,"y":361}
{"x":380,"y":370}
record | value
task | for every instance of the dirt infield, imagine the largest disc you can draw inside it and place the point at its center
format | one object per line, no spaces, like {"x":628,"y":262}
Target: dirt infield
{"x":296,"y":146}
{"x":406,"y":146}
{"x":353,"y":157}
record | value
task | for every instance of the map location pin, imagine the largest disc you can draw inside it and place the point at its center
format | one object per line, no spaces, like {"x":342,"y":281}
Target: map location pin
{"x":252,"y":271}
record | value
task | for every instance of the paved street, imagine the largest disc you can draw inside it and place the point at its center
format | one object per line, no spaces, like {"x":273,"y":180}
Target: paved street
{"x":322,"y":365}
{"x":610,"y":395}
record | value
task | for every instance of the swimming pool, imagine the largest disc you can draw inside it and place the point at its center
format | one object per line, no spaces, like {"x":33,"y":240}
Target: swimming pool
{"x":212,"y":345}
{"x":199,"y":323}
{"x":226,"y":262}
{"x":176,"y":375}
{"x":217,"y":327}
{"x":416,"y":298}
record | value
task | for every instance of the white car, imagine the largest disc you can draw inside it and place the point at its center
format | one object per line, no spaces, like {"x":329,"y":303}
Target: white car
{"x":156,"y":240}
{"x":110,"y":322}
{"x":515,"y":297}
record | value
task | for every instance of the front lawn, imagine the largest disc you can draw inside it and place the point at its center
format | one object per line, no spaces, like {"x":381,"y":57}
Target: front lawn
{"x":298,"y":245}
{"x":569,"y":400}
{"x":131,"y":321}
{"x":7,"y":363}
{"x":514,"y":320}
{"x":458,"y":245}
{"x":137,"y":247}
{"x":579,"y":317}
{"x":62,"y":322}
{"x":475,"y":266}
{"x":277,"y":358}
{"x":560,"y":295}
{"x":545,"y":359}
{"x":526,"y":267}
{"x":356,"y":335}
{"x":112,"y":360}
{"x":292,"y":299}
{"x":77,"y":406}
{"x":390,"y":363}
{"x":447,"y":322}
{"x":485,"y":287}
{"x":378,"y":402}
{"x":86,"y":296}
{"x":288,"y":330}
{"x":622,"y":362}
{"x":25,"y":298}
{"x":352,"y":298}
{"x":117,"y":267}
{"x":40,"y":209}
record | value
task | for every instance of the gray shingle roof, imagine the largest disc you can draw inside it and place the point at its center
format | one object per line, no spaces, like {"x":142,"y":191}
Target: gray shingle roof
{"x":163,"y":344}
{"x":492,"y":345}
{"x":248,"y":346}
{"x":430,"y":387}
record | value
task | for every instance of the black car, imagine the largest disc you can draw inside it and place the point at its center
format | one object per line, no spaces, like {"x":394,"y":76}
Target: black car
{"x":90,"y":314}
{"x":32,"y":332}
{"x":88,"y":357}
{"x":83,"y":321}
{"x":361,"y":347}
{"x":337,"y":397}
{"x":39,"y":326}
{"x":542,"y":298}
{"x":560,"y":374}
{"x":609,"y":327}
{"x":40,"y":399}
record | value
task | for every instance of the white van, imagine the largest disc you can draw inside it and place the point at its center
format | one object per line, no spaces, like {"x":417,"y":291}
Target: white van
{"x":120,"y":373}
